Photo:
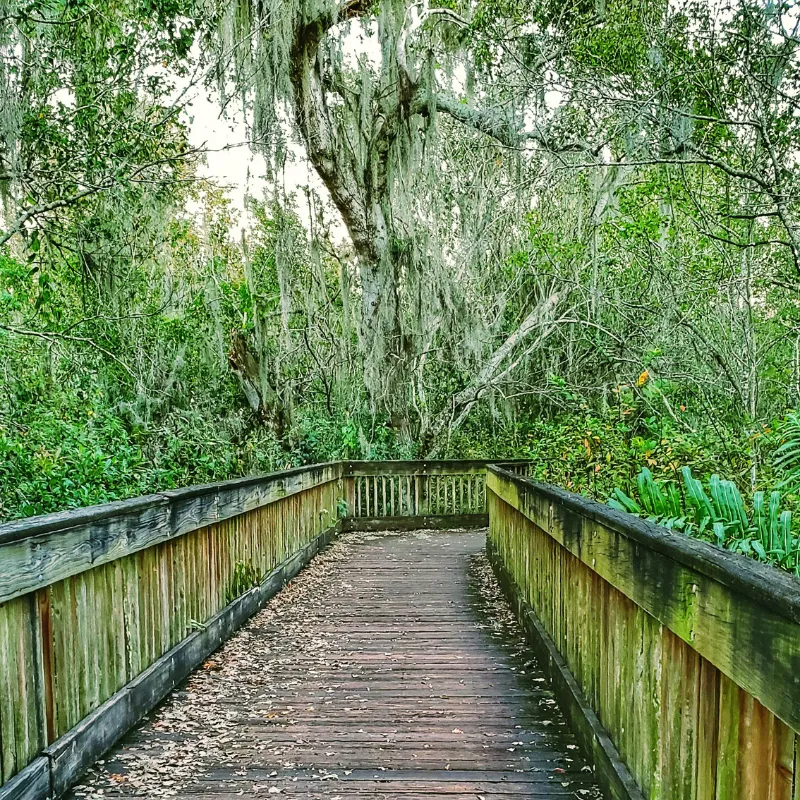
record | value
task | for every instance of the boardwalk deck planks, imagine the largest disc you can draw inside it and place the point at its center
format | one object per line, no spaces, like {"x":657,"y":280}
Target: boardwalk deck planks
{"x":355,"y":687}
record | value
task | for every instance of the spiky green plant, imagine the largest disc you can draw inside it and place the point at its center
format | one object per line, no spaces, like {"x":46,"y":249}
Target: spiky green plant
{"x":787,"y":456}
{"x":718,"y":514}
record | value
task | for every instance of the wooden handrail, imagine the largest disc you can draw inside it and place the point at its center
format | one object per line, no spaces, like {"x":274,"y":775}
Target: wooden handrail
{"x":38,"y":551}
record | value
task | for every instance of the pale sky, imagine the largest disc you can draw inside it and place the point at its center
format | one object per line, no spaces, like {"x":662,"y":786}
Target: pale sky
{"x":232,"y":164}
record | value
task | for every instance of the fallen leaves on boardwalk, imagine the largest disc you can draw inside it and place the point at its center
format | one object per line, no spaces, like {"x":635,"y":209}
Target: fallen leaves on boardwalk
{"x":391,"y":667}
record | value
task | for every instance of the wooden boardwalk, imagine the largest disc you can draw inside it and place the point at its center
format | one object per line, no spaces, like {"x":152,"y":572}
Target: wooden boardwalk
{"x":391,"y":668}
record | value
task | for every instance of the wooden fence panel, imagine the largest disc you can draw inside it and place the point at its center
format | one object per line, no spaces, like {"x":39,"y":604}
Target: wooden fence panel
{"x":694,"y":678}
{"x":74,"y":632}
{"x":420,"y":488}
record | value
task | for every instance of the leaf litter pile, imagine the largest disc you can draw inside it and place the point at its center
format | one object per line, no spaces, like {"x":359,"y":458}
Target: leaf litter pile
{"x":391,"y":667}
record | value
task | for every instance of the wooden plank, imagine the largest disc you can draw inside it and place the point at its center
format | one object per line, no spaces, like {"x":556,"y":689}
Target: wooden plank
{"x":9,"y":709}
{"x":22,"y":725}
{"x":708,"y":730}
{"x":781,"y":775}
{"x":32,"y":783}
{"x":37,"y":559}
{"x":410,"y":523}
{"x":45,"y":649}
{"x":42,"y":550}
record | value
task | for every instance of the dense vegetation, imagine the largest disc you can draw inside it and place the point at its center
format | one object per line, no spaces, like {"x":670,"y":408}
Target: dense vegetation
{"x":556,"y":229}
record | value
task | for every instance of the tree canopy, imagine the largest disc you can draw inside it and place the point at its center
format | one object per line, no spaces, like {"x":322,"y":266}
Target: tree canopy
{"x":563,"y":229}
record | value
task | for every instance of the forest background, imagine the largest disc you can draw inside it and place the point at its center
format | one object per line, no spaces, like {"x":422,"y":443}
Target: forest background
{"x":563,"y":230}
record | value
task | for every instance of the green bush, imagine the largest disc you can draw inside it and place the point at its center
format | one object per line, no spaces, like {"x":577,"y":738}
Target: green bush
{"x":717,"y":513}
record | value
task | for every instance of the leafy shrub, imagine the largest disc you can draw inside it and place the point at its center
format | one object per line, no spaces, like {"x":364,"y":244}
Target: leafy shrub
{"x":787,"y":455}
{"x":717,"y":513}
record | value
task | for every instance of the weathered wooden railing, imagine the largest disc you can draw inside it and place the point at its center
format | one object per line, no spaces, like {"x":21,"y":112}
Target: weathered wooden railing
{"x":678,"y":663}
{"x":104,"y":610}
{"x":403,"y":494}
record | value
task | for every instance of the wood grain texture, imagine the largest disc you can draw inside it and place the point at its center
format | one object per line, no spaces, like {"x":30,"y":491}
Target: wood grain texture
{"x":32,"y":783}
{"x":391,"y":668}
{"x":679,"y":667}
{"x":68,"y":647}
{"x":40,"y":551}
{"x":412,"y":523}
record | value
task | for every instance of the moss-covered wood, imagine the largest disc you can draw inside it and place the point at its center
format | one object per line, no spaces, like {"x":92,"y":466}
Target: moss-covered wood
{"x":90,"y":599}
{"x":693,"y":673}
{"x":106,"y":596}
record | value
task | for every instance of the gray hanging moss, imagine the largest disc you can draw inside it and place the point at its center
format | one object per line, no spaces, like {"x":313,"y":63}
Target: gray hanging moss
{"x":369,"y":126}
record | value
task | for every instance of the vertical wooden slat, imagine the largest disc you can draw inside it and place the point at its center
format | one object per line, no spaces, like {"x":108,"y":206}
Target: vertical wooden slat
{"x":9,"y":700}
{"x":708,"y":730}
{"x":728,"y":740}
{"x":85,"y":652}
{"x":96,"y":640}
{"x":782,"y":774}
{"x":46,"y":655}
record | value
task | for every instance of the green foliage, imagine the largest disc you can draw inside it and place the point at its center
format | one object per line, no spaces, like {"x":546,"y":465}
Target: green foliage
{"x":143,"y":347}
{"x":787,"y":455}
{"x":717,"y":513}
{"x":245,"y":577}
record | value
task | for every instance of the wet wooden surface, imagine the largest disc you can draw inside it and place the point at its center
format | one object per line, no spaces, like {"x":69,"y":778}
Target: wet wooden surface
{"x":391,"y":668}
